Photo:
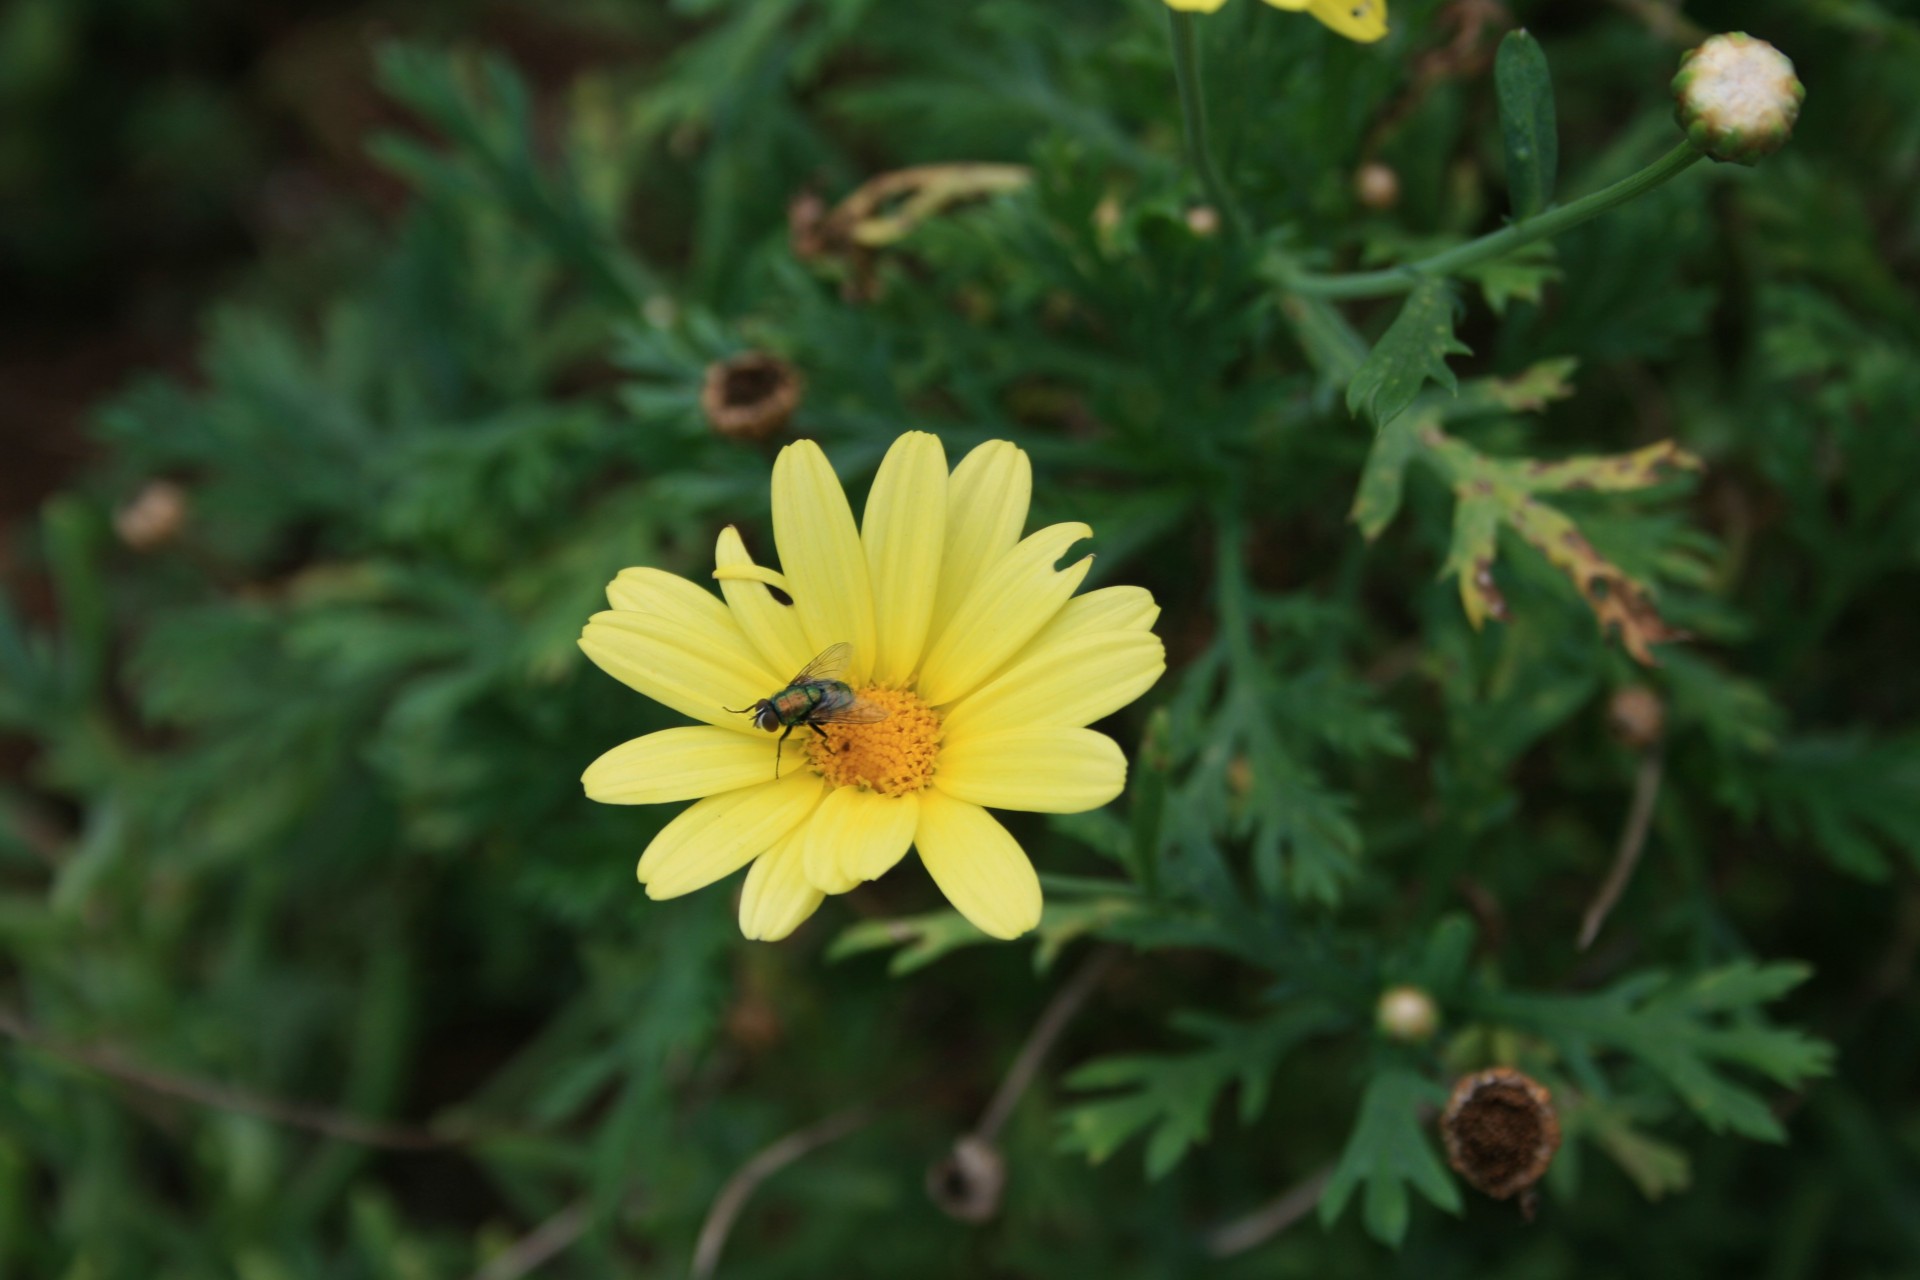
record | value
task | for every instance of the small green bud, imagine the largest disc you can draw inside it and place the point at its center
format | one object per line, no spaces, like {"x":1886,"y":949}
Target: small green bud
{"x":1407,"y":1014}
{"x":1737,"y":98}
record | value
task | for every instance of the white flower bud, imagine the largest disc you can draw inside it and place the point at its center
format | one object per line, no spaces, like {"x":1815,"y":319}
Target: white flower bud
{"x":1407,"y":1014}
{"x":1737,"y":98}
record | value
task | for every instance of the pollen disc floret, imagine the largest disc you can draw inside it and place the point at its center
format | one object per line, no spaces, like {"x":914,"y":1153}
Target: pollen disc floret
{"x":894,"y":757}
{"x":1737,"y":98}
{"x":938,"y":612}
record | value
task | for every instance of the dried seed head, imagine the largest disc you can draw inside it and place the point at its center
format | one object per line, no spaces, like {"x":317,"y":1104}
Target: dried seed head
{"x":154,"y":517}
{"x":1376,"y":186}
{"x":968,"y":1184}
{"x":751,"y":396}
{"x":1737,"y":98}
{"x":1637,"y":716}
{"x":1501,"y":1132}
{"x":1408,"y":1014}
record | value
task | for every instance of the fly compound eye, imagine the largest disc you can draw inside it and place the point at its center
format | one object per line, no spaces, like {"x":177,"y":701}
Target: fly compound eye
{"x":768,"y":719}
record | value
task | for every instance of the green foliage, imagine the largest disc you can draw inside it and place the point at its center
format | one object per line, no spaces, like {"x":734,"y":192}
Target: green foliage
{"x":1412,"y":352}
{"x":1527,"y":123}
{"x":1171,"y":1097}
{"x":1672,"y":1029}
{"x":291,"y":832}
{"x":1388,"y":1153}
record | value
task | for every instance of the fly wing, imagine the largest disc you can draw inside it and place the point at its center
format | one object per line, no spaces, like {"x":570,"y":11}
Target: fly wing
{"x":855,"y":710}
{"x":830,"y":665}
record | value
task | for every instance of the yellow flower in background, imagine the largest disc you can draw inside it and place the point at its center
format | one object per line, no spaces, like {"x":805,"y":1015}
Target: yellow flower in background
{"x":1362,"y":20}
{"x":966,"y":635}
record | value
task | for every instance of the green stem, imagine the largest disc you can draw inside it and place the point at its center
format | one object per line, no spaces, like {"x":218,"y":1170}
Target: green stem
{"x":1375,"y":284}
{"x":1193,"y":106}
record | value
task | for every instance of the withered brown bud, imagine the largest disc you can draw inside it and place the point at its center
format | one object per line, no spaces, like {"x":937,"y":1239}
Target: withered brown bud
{"x":154,"y":517}
{"x":968,"y":1184}
{"x":807,"y":225}
{"x":1501,"y":1133}
{"x":750,"y":396}
{"x":1637,"y":716}
{"x":1376,"y":186}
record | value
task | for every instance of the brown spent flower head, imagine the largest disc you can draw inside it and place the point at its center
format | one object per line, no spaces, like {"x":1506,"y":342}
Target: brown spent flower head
{"x":154,"y":517}
{"x":1737,"y":98}
{"x":1501,"y":1133}
{"x":968,"y":1185}
{"x":1637,"y":717}
{"x":1376,"y":186}
{"x":751,"y":396}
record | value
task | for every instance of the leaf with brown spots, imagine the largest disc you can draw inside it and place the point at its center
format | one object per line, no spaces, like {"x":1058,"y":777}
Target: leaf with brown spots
{"x":1619,"y":602}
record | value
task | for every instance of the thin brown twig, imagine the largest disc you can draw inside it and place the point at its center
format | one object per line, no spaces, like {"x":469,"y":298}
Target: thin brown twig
{"x":1270,"y":1219}
{"x":547,"y":1241}
{"x":1633,"y":842}
{"x":747,"y":1178}
{"x":297,"y":1115}
{"x":1053,"y":1020}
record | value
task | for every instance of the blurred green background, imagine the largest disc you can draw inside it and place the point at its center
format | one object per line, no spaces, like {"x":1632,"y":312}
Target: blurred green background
{"x":346,"y":351}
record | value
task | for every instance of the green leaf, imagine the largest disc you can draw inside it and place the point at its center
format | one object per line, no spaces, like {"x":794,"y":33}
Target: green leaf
{"x":1657,"y":1168}
{"x":1673,"y":1030}
{"x":1388,"y":1151}
{"x":1413,"y":351}
{"x":1377,"y":500}
{"x":1525,"y":88}
{"x":1171,"y":1097}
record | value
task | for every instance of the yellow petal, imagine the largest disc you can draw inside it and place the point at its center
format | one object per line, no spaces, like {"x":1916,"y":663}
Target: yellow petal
{"x":777,"y":898}
{"x":1195,"y":6}
{"x":857,"y":835}
{"x":1019,"y":594}
{"x":1362,"y":20}
{"x":698,"y":670}
{"x":821,"y":555}
{"x":683,"y":764}
{"x":1063,"y":685}
{"x":979,"y":866}
{"x":904,"y":528}
{"x":719,"y":835}
{"x":772,"y":627}
{"x":986,"y":509}
{"x":1035,"y":770}
{"x":1108,"y":609}
{"x":647,"y":590}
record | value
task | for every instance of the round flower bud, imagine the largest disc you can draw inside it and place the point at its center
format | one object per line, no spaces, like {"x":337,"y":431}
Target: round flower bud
{"x":1203,"y":220}
{"x":1501,"y":1132}
{"x":1737,"y":98}
{"x":1408,"y":1014}
{"x":154,"y":517}
{"x":751,"y":396}
{"x":1637,"y":716}
{"x":1376,"y":186}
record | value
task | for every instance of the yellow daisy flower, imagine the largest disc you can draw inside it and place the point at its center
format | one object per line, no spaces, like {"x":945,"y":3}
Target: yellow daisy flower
{"x":964,"y":633}
{"x":1362,"y":20}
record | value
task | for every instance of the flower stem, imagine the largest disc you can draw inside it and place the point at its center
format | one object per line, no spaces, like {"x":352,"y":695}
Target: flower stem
{"x":1375,"y":284}
{"x":1193,"y":106}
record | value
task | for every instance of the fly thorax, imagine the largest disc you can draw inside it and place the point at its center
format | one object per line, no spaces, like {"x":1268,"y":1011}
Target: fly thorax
{"x":894,"y":756}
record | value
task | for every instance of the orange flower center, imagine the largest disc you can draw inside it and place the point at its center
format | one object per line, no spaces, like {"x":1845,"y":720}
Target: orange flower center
{"x":894,"y":756}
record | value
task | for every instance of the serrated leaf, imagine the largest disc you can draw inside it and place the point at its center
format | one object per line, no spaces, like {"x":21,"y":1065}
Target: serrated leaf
{"x":1527,"y":125}
{"x":1678,"y":1031}
{"x":1377,"y":500}
{"x":1171,"y":1097}
{"x":1388,"y":1152}
{"x":1412,"y":352}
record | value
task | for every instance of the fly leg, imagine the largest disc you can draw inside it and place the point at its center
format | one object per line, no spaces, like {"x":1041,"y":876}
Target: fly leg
{"x":778,"y":747}
{"x":826,"y":738}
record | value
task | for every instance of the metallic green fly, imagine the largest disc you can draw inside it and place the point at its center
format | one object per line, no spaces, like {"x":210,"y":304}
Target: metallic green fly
{"x":817,"y":696}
